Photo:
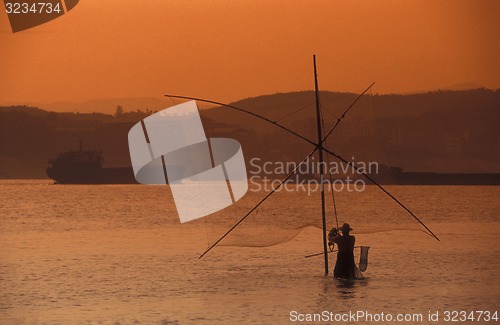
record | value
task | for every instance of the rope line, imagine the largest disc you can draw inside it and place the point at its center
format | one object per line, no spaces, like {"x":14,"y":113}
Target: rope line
{"x":290,"y":114}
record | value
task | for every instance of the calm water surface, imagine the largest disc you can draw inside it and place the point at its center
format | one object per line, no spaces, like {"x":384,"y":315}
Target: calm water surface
{"x":117,"y":255}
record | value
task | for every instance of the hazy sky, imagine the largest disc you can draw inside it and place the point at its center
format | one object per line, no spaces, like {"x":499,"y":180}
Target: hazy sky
{"x":229,"y":49}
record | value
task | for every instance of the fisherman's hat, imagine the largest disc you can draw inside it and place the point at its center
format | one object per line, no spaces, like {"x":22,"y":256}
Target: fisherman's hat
{"x":346,"y":228}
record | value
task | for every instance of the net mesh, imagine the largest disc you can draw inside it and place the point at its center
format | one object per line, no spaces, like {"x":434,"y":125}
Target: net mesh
{"x":297,"y":205}
{"x":363,"y":258}
{"x":287,"y":212}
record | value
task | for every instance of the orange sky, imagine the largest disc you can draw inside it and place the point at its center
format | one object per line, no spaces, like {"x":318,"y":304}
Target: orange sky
{"x":228,"y":49}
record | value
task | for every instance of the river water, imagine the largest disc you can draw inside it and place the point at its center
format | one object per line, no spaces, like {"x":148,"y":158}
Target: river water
{"x":116,"y":254}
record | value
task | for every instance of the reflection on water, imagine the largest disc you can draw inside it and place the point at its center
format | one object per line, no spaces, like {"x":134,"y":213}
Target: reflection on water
{"x":332,"y":288}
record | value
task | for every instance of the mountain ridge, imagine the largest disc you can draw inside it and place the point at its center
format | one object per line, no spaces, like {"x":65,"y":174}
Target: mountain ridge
{"x":446,"y":131}
{"x":109,"y":105}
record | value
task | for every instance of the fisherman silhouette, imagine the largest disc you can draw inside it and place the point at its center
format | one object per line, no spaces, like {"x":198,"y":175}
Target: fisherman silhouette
{"x":345,"y":267}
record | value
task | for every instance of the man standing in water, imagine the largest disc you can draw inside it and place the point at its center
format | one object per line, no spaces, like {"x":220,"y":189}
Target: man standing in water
{"x":344,"y":268}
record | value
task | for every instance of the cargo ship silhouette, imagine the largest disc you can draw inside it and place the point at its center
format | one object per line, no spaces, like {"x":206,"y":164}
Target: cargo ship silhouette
{"x":85,"y":167}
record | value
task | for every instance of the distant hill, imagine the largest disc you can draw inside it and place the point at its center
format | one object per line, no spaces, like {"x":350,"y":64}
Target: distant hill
{"x":464,"y":86}
{"x":453,"y":87}
{"x":443,"y":131}
{"x":107,"y":106}
{"x":128,"y":104}
{"x":454,"y":131}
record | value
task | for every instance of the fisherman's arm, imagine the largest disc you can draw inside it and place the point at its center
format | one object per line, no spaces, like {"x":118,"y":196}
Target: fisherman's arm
{"x":332,"y":235}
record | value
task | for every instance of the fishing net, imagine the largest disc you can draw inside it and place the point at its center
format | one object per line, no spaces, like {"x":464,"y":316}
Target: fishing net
{"x":363,"y":258}
{"x":295,"y":207}
{"x":271,"y":152}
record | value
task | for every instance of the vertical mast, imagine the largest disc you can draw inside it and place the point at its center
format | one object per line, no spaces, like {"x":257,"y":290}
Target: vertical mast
{"x":321,"y":165}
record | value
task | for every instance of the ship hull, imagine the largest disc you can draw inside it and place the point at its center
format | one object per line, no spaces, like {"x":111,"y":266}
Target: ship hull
{"x":121,"y":175}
